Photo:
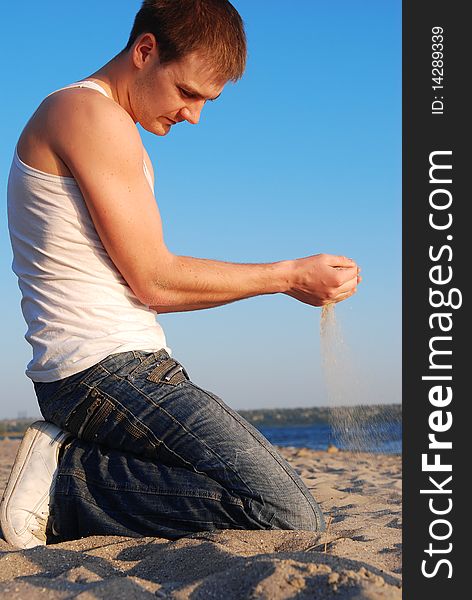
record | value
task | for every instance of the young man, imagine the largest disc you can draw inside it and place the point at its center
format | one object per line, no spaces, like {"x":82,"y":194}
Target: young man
{"x":130,"y":445}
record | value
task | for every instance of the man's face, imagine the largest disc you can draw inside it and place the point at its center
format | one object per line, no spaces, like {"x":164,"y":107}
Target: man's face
{"x":174,"y":92}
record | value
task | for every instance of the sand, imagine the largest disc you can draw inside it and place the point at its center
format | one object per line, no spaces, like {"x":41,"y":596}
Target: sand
{"x":359,"y":557}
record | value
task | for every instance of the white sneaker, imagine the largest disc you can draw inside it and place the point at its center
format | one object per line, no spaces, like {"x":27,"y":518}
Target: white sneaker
{"x":24,"y":509}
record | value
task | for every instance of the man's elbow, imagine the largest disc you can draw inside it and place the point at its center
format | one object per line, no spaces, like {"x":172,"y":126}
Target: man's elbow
{"x":156,"y":288}
{"x":155,"y":295}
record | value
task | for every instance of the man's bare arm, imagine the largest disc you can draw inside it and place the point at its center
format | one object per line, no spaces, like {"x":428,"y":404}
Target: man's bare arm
{"x":204,"y":283}
{"x":315,"y":280}
{"x":103,"y":149}
{"x":213,"y":273}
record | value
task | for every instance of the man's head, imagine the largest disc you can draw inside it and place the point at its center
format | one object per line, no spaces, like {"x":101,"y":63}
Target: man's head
{"x":184,"y":51}
{"x":211,"y":27}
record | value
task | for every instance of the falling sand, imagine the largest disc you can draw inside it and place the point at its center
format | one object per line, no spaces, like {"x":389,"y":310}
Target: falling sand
{"x":351,"y":428}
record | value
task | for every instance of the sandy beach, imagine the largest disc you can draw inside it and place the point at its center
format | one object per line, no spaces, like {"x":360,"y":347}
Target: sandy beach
{"x":358,"y":557}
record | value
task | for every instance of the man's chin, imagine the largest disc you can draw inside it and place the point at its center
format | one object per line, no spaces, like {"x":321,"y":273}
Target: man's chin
{"x":157,"y":128}
{"x":163,"y":129}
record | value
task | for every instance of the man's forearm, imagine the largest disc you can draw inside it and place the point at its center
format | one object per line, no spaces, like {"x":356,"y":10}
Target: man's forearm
{"x":188,"y":307}
{"x":187,"y":283}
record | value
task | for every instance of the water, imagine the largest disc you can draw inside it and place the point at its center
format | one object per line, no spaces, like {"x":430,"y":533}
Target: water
{"x":381,"y":438}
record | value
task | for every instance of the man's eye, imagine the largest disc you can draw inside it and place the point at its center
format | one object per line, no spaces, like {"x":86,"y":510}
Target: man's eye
{"x":185,"y":93}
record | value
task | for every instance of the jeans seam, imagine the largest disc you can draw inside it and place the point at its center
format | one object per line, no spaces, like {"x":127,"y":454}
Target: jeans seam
{"x":144,"y":363}
{"x":162,"y":442}
{"x":173,"y":519}
{"x":274,"y":455}
{"x":90,"y":372}
{"x":151,"y":491}
{"x":88,"y":382}
{"x":209,"y":449}
{"x":117,"y":405}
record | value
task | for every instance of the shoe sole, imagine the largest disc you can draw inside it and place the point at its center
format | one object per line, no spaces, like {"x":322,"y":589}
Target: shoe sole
{"x":24,"y":452}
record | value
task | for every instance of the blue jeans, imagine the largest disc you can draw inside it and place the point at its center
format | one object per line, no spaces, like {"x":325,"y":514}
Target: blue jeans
{"x":153,"y":454}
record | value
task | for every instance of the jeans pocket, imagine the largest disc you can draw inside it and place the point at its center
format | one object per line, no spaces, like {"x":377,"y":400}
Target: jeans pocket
{"x":169,"y":372}
{"x":147,"y":360}
{"x":98,"y":411}
{"x":100,"y":420}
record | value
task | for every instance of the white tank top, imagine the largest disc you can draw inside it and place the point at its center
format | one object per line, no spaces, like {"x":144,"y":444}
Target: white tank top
{"x":77,"y":306}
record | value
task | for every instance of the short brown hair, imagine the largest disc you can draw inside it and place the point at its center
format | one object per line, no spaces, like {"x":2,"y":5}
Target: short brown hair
{"x":183,"y":26}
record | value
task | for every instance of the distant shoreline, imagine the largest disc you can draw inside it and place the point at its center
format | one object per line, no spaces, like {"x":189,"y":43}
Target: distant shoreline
{"x":372,"y":428}
{"x":362,"y":414}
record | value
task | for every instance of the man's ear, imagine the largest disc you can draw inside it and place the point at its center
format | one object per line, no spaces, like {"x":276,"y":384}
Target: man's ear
{"x":145,"y":49}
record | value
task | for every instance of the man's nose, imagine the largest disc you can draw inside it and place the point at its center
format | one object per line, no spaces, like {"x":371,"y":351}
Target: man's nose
{"x":192,"y":112}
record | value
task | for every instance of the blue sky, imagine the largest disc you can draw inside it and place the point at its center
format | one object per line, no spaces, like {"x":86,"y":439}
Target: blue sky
{"x":302,"y":156}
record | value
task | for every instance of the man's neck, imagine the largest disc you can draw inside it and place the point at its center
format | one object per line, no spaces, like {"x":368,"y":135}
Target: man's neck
{"x":114,"y":78}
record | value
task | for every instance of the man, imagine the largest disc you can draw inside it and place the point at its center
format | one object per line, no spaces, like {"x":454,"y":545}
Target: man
{"x":130,"y":445}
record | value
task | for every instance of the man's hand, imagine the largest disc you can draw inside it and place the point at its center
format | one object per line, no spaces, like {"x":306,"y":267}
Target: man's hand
{"x":323,"y":279}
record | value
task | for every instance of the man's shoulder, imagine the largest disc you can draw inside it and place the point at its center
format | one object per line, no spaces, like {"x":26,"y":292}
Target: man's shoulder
{"x":84,"y":107}
{"x":81,"y":118}
{"x":75,"y":121}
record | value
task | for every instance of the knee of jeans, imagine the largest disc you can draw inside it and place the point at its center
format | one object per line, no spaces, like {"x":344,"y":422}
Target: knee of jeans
{"x":288,"y":504}
{"x":303,"y":512}
{"x":300,"y":512}
{"x":308,"y":517}
{"x":311,"y":518}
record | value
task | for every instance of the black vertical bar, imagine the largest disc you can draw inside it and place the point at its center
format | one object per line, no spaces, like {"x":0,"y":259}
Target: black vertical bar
{"x":435,"y":248}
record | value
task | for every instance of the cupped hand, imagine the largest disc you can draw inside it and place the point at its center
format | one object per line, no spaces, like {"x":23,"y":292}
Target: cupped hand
{"x":323,"y":279}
